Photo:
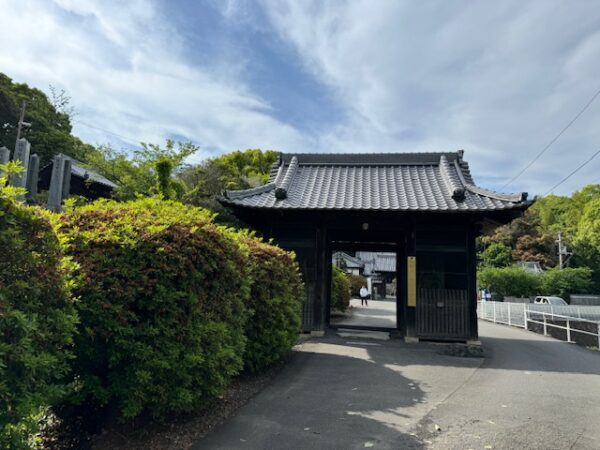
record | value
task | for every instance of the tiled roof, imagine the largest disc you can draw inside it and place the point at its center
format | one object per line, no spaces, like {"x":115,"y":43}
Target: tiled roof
{"x":378,"y":261}
{"x":383,"y":181}
{"x":79,"y":169}
{"x":349,"y":261}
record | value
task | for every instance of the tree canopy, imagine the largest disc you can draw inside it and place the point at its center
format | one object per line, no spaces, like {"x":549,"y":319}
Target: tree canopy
{"x":204,"y":182}
{"x":533,"y":236}
{"x":50,"y":130}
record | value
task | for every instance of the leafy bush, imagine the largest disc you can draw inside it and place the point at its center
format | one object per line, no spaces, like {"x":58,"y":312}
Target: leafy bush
{"x":356,"y":282}
{"x":274,"y":305}
{"x":496,"y":255}
{"x":37,"y":320}
{"x":162,"y":305}
{"x":508,"y":281}
{"x":340,"y":289}
{"x":567,"y":281}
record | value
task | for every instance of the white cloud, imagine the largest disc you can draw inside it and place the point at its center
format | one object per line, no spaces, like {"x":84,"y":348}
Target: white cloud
{"x":499,"y":80}
{"x":124,"y":69}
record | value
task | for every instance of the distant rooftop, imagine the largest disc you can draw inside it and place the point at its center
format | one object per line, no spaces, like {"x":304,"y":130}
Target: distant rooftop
{"x":80,"y":170}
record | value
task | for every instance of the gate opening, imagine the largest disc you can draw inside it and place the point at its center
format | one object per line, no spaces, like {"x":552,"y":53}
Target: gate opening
{"x":364,"y":289}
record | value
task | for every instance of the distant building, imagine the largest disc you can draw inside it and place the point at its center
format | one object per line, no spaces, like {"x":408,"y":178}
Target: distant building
{"x":347,"y":263}
{"x":84,"y":182}
{"x":381,"y":268}
{"x":531,"y":266}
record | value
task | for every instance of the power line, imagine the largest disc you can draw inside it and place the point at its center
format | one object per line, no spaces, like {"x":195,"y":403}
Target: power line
{"x":573,"y":173}
{"x":125,"y":138}
{"x":587,"y":105}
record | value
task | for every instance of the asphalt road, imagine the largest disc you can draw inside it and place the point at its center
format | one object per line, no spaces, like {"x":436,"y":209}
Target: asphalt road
{"x":529,"y":392}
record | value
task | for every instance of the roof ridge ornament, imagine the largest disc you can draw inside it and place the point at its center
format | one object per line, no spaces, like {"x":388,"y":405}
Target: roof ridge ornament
{"x":516,"y":198}
{"x":455,"y":184}
{"x":281,"y":190}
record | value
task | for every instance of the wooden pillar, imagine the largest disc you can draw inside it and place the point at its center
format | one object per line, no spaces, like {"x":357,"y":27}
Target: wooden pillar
{"x":401,"y":285}
{"x":322,"y":279}
{"x":472,"y":233}
{"x":327,"y":281}
{"x":410,"y":287}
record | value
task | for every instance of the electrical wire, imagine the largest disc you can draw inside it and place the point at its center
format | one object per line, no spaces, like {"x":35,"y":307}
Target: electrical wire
{"x":586,"y":106}
{"x":573,"y":173}
{"x":125,"y":138}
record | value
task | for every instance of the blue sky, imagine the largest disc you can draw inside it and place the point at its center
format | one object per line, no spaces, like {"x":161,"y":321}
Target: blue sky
{"x":498,"y":80}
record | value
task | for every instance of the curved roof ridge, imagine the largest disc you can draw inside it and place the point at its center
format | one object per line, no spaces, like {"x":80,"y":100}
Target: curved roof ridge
{"x":278,"y":175}
{"x":454,"y":181}
{"x":242,"y":193}
{"x":282,"y":188}
{"x":510,"y":197}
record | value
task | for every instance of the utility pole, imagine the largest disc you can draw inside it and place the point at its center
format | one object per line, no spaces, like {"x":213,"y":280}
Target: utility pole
{"x":563,"y":253}
{"x":22,"y":123}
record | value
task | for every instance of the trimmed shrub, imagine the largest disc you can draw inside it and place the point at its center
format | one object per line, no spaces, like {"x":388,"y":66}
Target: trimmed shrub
{"x":356,"y":282}
{"x":508,"y":281}
{"x":340,"y":289}
{"x":567,"y":281}
{"x":274,"y":304}
{"x":162,"y":305}
{"x":37,"y":321}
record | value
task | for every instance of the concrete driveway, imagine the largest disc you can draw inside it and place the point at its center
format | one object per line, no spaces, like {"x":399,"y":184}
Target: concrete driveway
{"x":529,"y":392}
{"x":378,"y":314}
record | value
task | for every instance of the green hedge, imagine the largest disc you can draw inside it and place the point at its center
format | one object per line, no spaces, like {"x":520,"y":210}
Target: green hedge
{"x":340,"y":289}
{"x":508,"y":281}
{"x":567,"y":281}
{"x":173,"y":305}
{"x":274,"y":304}
{"x":515,"y":282}
{"x":162,"y":305}
{"x":37,"y":321}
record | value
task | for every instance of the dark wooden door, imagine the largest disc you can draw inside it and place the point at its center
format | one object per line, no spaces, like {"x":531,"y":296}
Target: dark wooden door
{"x":443,"y":314}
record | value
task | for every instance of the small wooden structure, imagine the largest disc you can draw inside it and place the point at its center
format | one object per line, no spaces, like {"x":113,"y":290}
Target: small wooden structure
{"x":425,"y":207}
{"x":82,"y":181}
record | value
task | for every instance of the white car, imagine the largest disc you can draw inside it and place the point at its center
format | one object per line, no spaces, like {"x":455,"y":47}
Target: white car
{"x":555,"y":301}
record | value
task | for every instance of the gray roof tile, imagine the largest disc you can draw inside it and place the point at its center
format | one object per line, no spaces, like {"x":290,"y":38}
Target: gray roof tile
{"x":383,"y":181}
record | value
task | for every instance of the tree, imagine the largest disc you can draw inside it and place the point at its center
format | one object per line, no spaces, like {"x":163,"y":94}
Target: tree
{"x":236,"y":170}
{"x":50,"y":131}
{"x":587,"y":239}
{"x":556,"y":213}
{"x":137,"y":175}
{"x":525,"y":238}
{"x":496,"y":254}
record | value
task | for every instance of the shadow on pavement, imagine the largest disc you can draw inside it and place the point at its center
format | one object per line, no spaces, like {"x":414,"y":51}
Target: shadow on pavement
{"x":324,"y":400}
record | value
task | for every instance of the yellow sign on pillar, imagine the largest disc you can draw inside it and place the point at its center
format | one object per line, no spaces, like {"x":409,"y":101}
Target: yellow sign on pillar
{"x":411,"y":280}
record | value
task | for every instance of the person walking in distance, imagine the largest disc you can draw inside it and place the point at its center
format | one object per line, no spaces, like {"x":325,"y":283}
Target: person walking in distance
{"x":364,"y":294}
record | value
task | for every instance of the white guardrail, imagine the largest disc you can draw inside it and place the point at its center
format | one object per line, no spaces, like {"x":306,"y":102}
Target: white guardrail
{"x":523,"y":314}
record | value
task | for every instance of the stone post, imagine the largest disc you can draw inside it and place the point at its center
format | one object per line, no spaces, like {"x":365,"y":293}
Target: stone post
{"x":66,"y":190}
{"x":21,"y":155}
{"x":4,"y":156}
{"x":32,"y":178}
{"x":56,"y":183}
